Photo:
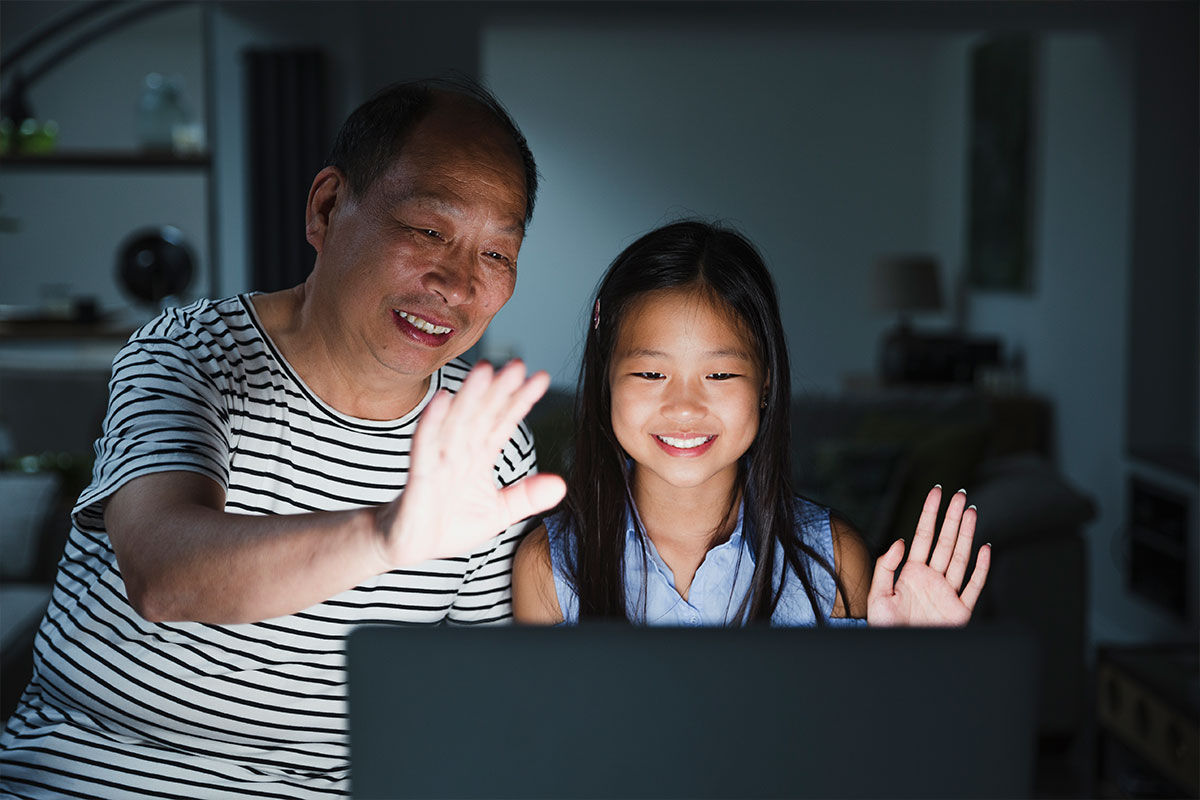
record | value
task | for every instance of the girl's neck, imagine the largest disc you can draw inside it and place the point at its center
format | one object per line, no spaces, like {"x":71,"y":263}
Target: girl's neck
{"x":693,"y":518}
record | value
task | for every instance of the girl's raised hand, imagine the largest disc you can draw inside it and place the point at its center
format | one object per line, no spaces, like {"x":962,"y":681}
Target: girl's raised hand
{"x":929,"y":591}
{"x":451,"y":503}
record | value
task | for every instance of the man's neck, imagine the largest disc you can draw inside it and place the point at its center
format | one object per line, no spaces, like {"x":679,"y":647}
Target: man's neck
{"x":289,"y":322}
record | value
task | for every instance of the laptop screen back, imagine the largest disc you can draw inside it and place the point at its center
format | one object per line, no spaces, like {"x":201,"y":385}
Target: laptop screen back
{"x":617,"y":711}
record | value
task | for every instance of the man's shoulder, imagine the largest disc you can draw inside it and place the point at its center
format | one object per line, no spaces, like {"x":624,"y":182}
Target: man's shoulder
{"x":203,"y":318}
{"x":216,"y":337}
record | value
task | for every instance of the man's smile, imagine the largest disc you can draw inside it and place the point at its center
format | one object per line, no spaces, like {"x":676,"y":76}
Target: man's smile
{"x":427,"y":332}
{"x":422,"y":323}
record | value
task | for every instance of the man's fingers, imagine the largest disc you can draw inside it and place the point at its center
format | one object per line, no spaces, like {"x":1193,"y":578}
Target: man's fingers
{"x":949,"y":535}
{"x":884,"y":579}
{"x":494,"y":405}
{"x":517,"y":405}
{"x":533,"y":495}
{"x":983,"y":561}
{"x":427,"y":438}
{"x":923,"y":540}
{"x":470,"y":401}
{"x":962,"y":549}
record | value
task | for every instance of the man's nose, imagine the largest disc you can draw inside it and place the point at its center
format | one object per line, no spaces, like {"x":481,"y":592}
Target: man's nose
{"x":452,"y":276}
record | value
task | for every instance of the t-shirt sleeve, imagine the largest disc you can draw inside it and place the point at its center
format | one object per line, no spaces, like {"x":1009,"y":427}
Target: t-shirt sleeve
{"x":165,"y":412}
{"x":485,"y":596}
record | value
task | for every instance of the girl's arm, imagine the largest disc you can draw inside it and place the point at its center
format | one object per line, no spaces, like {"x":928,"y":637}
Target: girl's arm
{"x":853,"y":566}
{"x":534,"y":599}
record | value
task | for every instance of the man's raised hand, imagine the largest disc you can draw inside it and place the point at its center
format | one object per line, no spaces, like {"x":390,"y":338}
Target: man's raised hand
{"x":451,"y":504}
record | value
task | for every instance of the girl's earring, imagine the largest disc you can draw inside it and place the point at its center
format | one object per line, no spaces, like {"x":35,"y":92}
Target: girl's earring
{"x":763,"y":404}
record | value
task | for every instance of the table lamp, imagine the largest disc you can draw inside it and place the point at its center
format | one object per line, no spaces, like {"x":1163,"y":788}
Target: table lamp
{"x":903,"y":284}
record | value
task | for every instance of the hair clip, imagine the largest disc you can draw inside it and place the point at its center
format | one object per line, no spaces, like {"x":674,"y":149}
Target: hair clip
{"x":596,"y":315}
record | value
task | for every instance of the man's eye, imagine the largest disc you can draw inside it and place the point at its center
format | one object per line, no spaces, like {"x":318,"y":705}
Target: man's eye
{"x":494,"y":256}
{"x":650,"y":376}
{"x":432,"y":234}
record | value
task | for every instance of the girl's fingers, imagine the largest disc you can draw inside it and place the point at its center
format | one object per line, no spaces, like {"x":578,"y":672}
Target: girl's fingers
{"x":949,"y":535}
{"x":884,"y":579}
{"x":923,"y":540}
{"x":962,"y":549}
{"x":971,"y":594}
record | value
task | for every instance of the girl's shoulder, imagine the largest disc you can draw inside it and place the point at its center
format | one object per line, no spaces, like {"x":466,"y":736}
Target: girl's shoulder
{"x":813,"y":522}
{"x":559,"y":541}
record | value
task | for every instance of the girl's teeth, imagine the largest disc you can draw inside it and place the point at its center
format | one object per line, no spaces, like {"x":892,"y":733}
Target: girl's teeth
{"x":684,"y":444}
{"x":417,"y":322}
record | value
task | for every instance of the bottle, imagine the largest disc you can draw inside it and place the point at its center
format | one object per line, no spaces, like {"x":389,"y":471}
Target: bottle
{"x":159,"y":112}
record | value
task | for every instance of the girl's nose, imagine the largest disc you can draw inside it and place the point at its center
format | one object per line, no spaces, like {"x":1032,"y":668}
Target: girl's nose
{"x":683,"y":403}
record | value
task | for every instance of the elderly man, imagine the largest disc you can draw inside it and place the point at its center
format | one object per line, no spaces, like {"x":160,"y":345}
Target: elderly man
{"x":246,"y":507}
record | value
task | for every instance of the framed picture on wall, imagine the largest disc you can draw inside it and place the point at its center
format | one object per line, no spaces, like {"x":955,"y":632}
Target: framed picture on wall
{"x":1000,"y":214}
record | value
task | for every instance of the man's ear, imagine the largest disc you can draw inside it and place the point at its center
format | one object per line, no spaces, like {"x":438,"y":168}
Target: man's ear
{"x":328,"y":188}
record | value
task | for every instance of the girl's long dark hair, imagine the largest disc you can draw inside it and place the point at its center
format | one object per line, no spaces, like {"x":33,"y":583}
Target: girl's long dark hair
{"x":726,"y":267}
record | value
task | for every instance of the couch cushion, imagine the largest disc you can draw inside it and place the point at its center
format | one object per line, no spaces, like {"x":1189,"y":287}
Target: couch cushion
{"x":1025,"y":497}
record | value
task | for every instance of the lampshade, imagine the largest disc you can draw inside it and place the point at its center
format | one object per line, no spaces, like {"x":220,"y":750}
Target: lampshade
{"x":906,"y":283}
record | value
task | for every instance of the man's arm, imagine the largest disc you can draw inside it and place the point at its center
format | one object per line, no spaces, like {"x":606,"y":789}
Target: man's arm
{"x":184,"y":558}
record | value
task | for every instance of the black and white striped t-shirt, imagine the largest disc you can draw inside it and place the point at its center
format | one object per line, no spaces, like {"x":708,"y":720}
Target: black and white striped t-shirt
{"x":119,"y":706}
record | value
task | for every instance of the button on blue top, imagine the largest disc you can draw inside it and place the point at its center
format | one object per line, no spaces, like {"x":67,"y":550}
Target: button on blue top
{"x":720,"y":583}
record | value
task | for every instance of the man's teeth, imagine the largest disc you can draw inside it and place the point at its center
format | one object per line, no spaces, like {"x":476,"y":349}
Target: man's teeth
{"x":417,"y":322}
{"x":684,"y":444}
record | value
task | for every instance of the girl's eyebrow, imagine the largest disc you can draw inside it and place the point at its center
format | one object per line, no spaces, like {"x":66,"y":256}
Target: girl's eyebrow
{"x":645,"y":352}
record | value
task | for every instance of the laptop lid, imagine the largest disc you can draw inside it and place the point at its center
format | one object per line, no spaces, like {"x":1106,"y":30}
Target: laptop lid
{"x":603,"y":711}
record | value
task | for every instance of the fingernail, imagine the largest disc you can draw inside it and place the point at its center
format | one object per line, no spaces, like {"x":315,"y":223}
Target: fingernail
{"x":961,"y":491}
{"x":937,"y":486}
{"x":972,"y":507}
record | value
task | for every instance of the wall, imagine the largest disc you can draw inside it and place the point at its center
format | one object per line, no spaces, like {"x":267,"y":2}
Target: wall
{"x":236,"y":27}
{"x":633,"y":127}
{"x":1073,"y":326}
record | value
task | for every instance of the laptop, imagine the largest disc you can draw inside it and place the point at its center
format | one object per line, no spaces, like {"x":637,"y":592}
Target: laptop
{"x":614,"y":711}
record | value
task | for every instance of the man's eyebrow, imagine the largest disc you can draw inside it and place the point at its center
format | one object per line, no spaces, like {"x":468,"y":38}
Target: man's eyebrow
{"x":439,"y":204}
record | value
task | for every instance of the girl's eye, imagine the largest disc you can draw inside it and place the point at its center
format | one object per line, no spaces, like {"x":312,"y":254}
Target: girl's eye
{"x":723,"y":376}
{"x":650,"y":376}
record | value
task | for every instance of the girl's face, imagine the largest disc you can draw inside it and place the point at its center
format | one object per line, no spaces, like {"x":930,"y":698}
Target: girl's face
{"x":686,"y":390}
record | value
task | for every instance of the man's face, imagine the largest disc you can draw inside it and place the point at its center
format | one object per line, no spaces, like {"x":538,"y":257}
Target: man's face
{"x":409,"y":275}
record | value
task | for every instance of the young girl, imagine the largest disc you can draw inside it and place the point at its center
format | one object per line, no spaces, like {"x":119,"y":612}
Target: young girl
{"x":679,"y":508}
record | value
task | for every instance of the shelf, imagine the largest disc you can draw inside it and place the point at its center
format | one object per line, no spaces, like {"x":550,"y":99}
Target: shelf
{"x":107,"y":159}
{"x":16,"y":330}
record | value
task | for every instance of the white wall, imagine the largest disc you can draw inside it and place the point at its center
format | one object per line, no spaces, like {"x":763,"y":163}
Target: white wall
{"x":819,"y":146}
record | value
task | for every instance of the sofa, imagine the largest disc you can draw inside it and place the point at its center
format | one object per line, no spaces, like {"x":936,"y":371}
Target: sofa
{"x":873,"y":455}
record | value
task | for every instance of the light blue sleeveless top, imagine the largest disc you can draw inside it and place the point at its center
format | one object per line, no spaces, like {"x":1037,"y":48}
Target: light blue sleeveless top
{"x":720,"y":583}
